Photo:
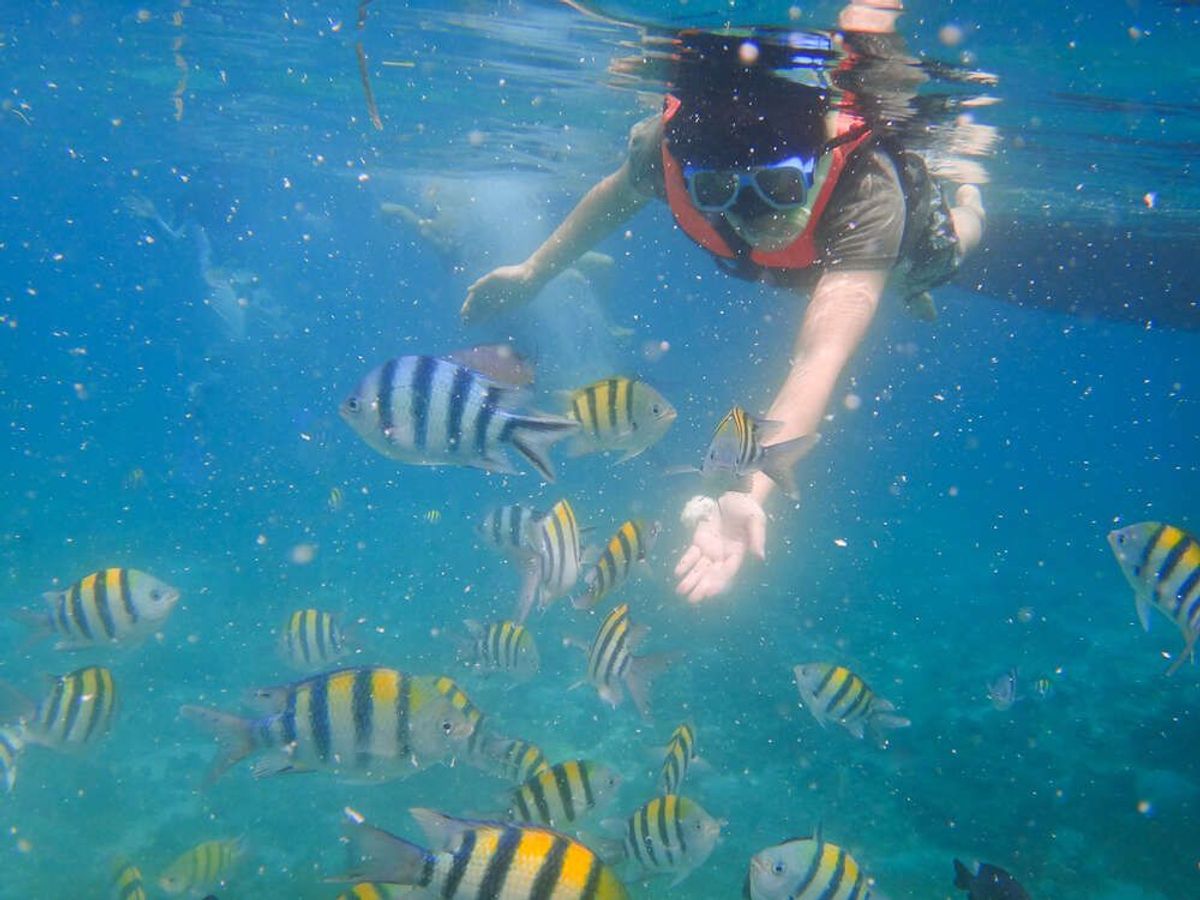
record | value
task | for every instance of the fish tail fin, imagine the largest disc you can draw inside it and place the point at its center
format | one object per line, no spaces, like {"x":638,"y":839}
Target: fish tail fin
{"x":882,"y":722}
{"x":642,"y":672}
{"x":962,"y":876}
{"x":1188,"y":652}
{"x":531,"y":580}
{"x":779,"y":461}
{"x":376,"y":855}
{"x":40,"y":625}
{"x":534,"y":435}
{"x":235,"y":737}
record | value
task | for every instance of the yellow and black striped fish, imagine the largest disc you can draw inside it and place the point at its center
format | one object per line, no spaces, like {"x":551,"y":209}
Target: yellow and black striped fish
{"x":514,"y":759}
{"x":612,"y":667}
{"x":371,"y":890}
{"x":503,"y":647}
{"x":629,"y":547}
{"x":558,"y":561}
{"x":1162,"y":563}
{"x":736,"y":452}
{"x":835,"y":694}
{"x":112,"y":606}
{"x":806,"y":869}
{"x":670,"y":835}
{"x":78,"y":710}
{"x":205,"y":866}
{"x":127,"y":882}
{"x":512,"y":530}
{"x":311,"y":639}
{"x":618,"y":414}
{"x":11,"y":744}
{"x":681,"y":752}
{"x":482,"y":860}
{"x":564,"y":793}
{"x":368,"y":723}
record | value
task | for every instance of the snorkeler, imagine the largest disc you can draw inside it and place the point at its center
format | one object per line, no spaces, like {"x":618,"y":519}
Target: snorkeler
{"x":783,"y":181}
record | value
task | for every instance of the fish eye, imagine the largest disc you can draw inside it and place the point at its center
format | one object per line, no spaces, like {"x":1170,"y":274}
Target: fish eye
{"x":779,"y":868}
{"x":655,"y":409}
{"x":447,"y":726}
{"x":155,"y":595}
{"x":353,"y":404}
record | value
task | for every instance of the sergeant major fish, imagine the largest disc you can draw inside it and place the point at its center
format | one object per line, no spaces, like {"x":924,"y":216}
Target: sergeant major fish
{"x":112,"y":606}
{"x":564,"y":793}
{"x":618,"y":414}
{"x":429,"y":411}
{"x":78,"y":710}
{"x":127,"y":882}
{"x":1162,"y":564}
{"x":670,"y":835}
{"x":512,"y":530}
{"x":612,"y":667}
{"x":513,"y":759}
{"x":554,"y":570}
{"x":502,"y":647}
{"x":680,"y":754}
{"x":835,"y":694}
{"x":736,"y":452}
{"x":476,"y":859}
{"x":806,"y":869}
{"x":368,"y":724}
{"x":311,"y":639}
{"x":625,"y":550}
{"x":205,"y":866}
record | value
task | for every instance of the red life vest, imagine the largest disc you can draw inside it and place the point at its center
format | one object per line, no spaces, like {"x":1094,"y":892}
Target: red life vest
{"x":800,"y":253}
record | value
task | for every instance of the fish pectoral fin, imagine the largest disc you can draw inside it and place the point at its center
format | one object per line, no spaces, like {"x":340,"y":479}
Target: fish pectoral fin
{"x":630,"y":454}
{"x":1188,"y":652}
{"x":280,"y":763}
{"x":1144,"y":602}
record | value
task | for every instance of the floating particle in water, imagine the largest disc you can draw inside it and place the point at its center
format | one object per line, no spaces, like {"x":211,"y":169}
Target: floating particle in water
{"x":336,"y":499}
{"x":852,"y":402}
{"x":1150,"y":199}
{"x":1025,"y":614}
{"x":950,"y":34}
{"x":303,"y":554}
{"x":748,"y":53}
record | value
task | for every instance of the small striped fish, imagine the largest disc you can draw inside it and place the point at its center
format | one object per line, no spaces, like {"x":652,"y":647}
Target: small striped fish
{"x":429,"y":411}
{"x":512,"y":530}
{"x":681,"y":752}
{"x":11,"y":745}
{"x":503,"y":647}
{"x":670,"y":835}
{"x":205,"y":866}
{"x":564,"y":793}
{"x":629,"y":547}
{"x":611,"y":662}
{"x":806,"y":869}
{"x":478,"y":860}
{"x":618,"y":414}
{"x":737,"y":452}
{"x":112,"y":606}
{"x":835,"y":694}
{"x":311,"y":639}
{"x":127,"y":882}
{"x":368,"y":724}
{"x":1162,"y":563}
{"x":78,"y":710}
{"x":557,"y":563}
{"x":369,"y":890}
{"x":514,"y":759}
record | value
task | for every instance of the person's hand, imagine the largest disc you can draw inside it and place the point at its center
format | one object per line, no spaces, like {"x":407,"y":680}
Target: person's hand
{"x":500,"y":290}
{"x":724,"y":532}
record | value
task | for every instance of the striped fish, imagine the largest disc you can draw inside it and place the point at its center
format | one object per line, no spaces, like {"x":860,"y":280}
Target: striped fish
{"x":512,"y":530}
{"x":476,"y":720}
{"x":564,"y":793}
{"x":558,"y":561}
{"x":835,"y":694}
{"x":366,"y":724}
{"x":629,"y":547}
{"x":482,"y":861}
{"x":503,"y":647}
{"x":112,"y":606}
{"x":205,"y":866}
{"x":670,"y":835}
{"x":311,"y":639}
{"x":429,"y":411}
{"x":1162,"y":563}
{"x":514,"y":759}
{"x":371,"y":890}
{"x":11,"y":744}
{"x":806,"y":869}
{"x":611,"y":662}
{"x":127,"y":882}
{"x":78,"y":710}
{"x":681,"y":752}
{"x":736,"y":452}
{"x":618,"y":414}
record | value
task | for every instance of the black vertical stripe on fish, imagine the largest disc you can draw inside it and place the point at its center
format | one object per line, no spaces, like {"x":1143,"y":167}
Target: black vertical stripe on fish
{"x":631,"y":836}
{"x":483,"y":419}
{"x":629,"y":404}
{"x":386,"y":393}
{"x":74,"y":705}
{"x":560,"y":545}
{"x":841,"y":692}
{"x":643,"y":817}
{"x":494,"y":647}
{"x":1171,"y":560}
{"x":288,"y":718}
{"x":403,"y":705}
{"x":589,"y":798}
{"x":363,"y":706}
{"x":127,"y":595}
{"x":78,"y":614}
{"x":616,"y":661}
{"x":102,"y":606}
{"x":428,"y":867}
{"x":861,"y":701}
{"x":548,"y":875}
{"x":806,"y":879}
{"x":459,"y":391}
{"x":607,"y":629}
{"x":679,"y":832}
{"x":563,"y":784}
{"x":64,"y":625}
{"x":492,"y":883}
{"x":421,"y":389}
{"x":626,"y":550}
{"x":539,"y":799}
{"x":612,"y":404}
{"x":101,"y":703}
{"x":318,"y":715}
{"x":663,"y":836}
{"x":56,"y":699}
{"x":458,"y":868}
{"x":523,"y":808}
{"x":825,"y":679}
{"x":592,"y":884}
{"x":839,"y":872}
{"x":1186,"y":589}
{"x":593,"y":409}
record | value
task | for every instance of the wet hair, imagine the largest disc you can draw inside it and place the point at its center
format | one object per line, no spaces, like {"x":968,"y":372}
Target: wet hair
{"x":737,"y":108}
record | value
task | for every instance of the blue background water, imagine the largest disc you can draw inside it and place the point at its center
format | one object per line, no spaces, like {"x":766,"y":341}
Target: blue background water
{"x":991,"y":453}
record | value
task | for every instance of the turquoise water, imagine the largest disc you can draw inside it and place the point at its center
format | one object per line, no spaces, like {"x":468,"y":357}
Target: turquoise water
{"x":951,"y":527}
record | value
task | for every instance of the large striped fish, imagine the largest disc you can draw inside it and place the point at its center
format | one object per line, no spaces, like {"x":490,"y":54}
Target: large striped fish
{"x":806,"y":869}
{"x":365,"y":724}
{"x":311,"y":640}
{"x":835,"y":694}
{"x":1162,"y":564}
{"x":77,"y":710}
{"x":564,"y":793}
{"x":205,"y":866}
{"x":670,"y":835}
{"x":618,"y":414}
{"x":11,"y":745}
{"x":112,"y":606}
{"x":473,"y":860}
{"x":630,"y":547}
{"x":612,"y":667}
{"x":555,"y":569}
{"x":736,"y":452}
{"x":429,"y":411}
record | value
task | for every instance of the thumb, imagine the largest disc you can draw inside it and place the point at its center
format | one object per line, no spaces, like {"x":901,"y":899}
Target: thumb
{"x":756,"y":536}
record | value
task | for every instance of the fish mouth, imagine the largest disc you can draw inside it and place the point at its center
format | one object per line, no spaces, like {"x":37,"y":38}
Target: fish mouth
{"x":171,"y":597}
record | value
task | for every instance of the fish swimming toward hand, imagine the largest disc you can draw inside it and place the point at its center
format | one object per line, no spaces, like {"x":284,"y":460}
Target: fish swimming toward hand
{"x":430,"y":411}
{"x":835,"y":694}
{"x":613,"y":667}
{"x":1162,"y":564}
{"x":737,"y":451}
{"x":989,"y":883}
{"x":626,"y":553}
{"x":618,"y":413}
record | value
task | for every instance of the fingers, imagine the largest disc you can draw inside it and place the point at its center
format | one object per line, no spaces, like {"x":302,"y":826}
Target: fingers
{"x":687,"y":561}
{"x":690,"y":584}
{"x":756,"y":536}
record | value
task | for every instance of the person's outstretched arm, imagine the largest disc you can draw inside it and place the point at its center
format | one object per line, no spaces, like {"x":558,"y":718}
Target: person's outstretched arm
{"x":603,"y":208}
{"x":841,"y":309}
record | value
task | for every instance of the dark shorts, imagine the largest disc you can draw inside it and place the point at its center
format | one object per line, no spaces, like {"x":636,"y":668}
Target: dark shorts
{"x":929,"y":249}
